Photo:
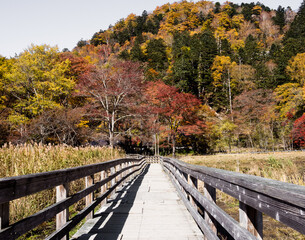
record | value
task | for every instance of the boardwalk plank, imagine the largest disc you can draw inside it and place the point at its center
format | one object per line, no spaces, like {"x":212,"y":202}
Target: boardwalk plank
{"x":149,"y":209}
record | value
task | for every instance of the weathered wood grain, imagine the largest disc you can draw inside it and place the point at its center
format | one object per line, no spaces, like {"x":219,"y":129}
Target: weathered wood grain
{"x":254,"y":191}
{"x":89,"y":181}
{"x":17,"y":229}
{"x":62,"y":192}
{"x":4,"y":215}
{"x":197,"y":217}
{"x":288,"y":192}
{"x":210,"y":193}
{"x":16,"y":187}
{"x":82,"y":214}
{"x":251,"y":219}
{"x":226,"y":221}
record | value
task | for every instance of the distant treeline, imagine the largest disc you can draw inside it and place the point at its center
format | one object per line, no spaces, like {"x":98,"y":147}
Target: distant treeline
{"x":196,"y":77}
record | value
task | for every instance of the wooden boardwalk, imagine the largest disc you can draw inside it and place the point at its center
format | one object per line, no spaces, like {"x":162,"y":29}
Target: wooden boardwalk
{"x":146,"y":208}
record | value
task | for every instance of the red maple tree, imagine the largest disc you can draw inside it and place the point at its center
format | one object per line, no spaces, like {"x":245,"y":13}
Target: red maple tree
{"x":298,"y":132}
{"x":175,"y":109}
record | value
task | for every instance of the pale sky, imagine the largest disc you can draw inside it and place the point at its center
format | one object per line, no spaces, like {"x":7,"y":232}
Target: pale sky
{"x":65,"y":22}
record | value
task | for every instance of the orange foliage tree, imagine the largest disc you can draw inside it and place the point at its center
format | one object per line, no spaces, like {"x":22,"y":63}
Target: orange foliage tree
{"x":178,"y":111}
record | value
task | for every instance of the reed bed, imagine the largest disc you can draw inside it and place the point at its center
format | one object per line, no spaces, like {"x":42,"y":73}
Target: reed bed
{"x":25,"y":159}
{"x":282,"y":166}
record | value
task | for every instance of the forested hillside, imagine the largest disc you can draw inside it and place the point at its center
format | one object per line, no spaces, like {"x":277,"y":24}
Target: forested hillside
{"x":189,"y":76}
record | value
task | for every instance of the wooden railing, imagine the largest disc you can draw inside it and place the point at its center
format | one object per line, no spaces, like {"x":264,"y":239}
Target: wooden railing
{"x":153,"y":159}
{"x":282,"y":201}
{"x":111,"y":174}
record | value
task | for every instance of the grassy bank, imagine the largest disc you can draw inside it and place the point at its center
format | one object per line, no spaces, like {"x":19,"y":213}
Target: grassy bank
{"x":27,"y":159}
{"x":282,"y":166}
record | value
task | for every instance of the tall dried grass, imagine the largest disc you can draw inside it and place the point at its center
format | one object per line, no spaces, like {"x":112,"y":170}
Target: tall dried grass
{"x":282,"y":166}
{"x":25,"y":159}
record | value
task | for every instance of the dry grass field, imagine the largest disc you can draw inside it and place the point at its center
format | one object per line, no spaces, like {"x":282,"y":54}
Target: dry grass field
{"x":28,"y":159}
{"x":282,"y":166}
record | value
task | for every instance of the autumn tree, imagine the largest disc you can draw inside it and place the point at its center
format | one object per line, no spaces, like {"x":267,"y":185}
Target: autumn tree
{"x":222,"y":70}
{"x":60,"y":126}
{"x":113,"y":89}
{"x":254,"y":115}
{"x":296,"y":68}
{"x":290,"y":96}
{"x":298,"y":132}
{"x":38,"y":82}
{"x":177,"y":110}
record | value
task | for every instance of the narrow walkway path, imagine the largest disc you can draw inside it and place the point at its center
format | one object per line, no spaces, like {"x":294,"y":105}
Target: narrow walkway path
{"x":147,"y":208}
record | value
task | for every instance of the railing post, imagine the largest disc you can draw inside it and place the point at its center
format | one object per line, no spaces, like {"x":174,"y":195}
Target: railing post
{"x":251,"y":219}
{"x":129,"y":170}
{"x":121,"y":166}
{"x":62,"y":192}
{"x":4,"y":215}
{"x":104,"y":175}
{"x":210,"y":193}
{"x":193,"y":182}
{"x":185,"y":176}
{"x":89,"y":197}
{"x":112,"y":171}
{"x":117,"y":168}
{"x":123,"y":173}
{"x":133,"y":168}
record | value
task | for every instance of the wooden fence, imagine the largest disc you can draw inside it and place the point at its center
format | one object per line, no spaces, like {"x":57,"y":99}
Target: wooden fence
{"x":284,"y":202}
{"x":111,"y":174}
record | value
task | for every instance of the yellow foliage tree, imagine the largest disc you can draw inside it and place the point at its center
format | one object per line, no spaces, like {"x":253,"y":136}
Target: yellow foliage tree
{"x":38,"y":81}
{"x":296,"y":68}
{"x":291,"y":96}
{"x":221,"y":73}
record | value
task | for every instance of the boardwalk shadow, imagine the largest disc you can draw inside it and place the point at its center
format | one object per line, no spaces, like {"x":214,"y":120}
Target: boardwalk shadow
{"x":109,"y":223}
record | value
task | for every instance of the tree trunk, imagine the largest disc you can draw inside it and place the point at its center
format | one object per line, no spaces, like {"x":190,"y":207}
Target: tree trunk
{"x":174,"y":146}
{"x":250,"y":139}
{"x":155,"y":139}
{"x":230,"y":95}
{"x":111,"y":130}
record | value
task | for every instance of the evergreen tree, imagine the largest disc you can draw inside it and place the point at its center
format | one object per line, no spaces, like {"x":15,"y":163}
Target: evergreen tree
{"x":192,"y":61}
{"x":136,"y":53}
{"x":217,"y":7}
{"x":156,"y":55}
{"x":124,"y":55}
{"x":247,"y":10}
{"x":250,"y":54}
{"x":204,"y":56}
{"x":182,"y":65}
{"x":279,"y":18}
{"x":297,"y":28}
{"x":294,"y":39}
{"x":293,"y":43}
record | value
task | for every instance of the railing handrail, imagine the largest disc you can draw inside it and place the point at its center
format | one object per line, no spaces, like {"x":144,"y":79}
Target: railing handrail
{"x":292,"y":193}
{"x":20,"y":186}
{"x":282,"y":201}
{"x":11,"y":188}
